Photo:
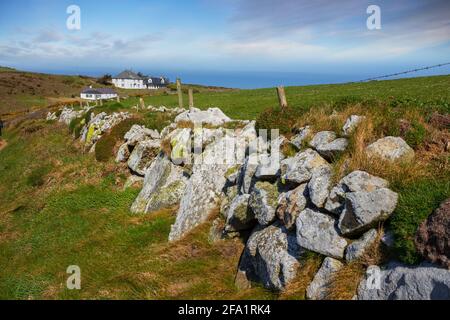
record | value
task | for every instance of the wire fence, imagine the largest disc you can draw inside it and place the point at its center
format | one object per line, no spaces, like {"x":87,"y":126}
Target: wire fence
{"x":406,"y":72}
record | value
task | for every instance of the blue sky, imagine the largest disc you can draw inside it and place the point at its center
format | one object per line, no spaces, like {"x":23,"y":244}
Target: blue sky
{"x":312,"y":37}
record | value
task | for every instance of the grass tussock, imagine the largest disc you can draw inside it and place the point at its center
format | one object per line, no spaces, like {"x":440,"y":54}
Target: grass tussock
{"x":309,"y":265}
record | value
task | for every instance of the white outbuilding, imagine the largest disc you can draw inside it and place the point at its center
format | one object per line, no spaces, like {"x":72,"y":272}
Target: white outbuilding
{"x":98,"y":94}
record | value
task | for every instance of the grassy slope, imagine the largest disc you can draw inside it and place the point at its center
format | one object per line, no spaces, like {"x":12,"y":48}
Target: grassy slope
{"x":61,"y":207}
{"x":21,"y":91}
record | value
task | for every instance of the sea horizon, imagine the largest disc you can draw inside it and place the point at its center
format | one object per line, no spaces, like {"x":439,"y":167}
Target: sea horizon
{"x":241,"y":79}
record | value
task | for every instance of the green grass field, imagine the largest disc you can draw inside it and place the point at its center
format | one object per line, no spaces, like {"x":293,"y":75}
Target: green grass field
{"x":61,"y":207}
{"x":247,"y":104}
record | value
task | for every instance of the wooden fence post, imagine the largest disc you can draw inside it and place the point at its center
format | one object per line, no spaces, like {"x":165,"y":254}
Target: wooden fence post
{"x":142,"y":103}
{"x":281,"y":97}
{"x":191,"y":99}
{"x":118,"y":99}
{"x":180,"y":93}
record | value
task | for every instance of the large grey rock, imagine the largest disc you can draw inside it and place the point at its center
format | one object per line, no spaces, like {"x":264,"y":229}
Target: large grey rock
{"x":318,"y":288}
{"x":156,"y":175}
{"x":364,"y":210}
{"x":317,"y":232}
{"x":68,"y":114}
{"x":352,"y":123}
{"x":333,"y":149}
{"x":291,"y":203}
{"x":357,"y":248}
{"x":239,"y":216}
{"x":271,"y":256}
{"x":321,"y":138}
{"x":398,"y":282}
{"x":319,"y":185}
{"x":354,"y":182}
{"x":390,"y":149}
{"x":203,"y":190}
{"x":212,"y":116}
{"x":164,"y":183}
{"x":264,"y":201}
{"x":143,"y":154}
{"x":170,"y":192}
{"x":299,"y":169}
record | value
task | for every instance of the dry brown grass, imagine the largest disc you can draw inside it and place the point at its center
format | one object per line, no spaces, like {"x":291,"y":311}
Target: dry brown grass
{"x":305,"y":274}
{"x":166,"y":147}
{"x":345,"y":283}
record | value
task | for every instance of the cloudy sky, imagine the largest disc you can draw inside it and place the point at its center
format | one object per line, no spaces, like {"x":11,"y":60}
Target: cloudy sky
{"x":318,"y":36}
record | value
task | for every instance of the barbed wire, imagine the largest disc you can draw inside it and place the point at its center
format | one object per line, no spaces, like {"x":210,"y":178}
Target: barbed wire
{"x":405,"y":72}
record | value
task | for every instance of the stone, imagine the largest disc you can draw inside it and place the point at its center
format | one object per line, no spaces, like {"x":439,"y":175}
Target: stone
{"x":331,"y":150}
{"x":123,"y":153}
{"x":170,"y":192}
{"x":69,"y":114}
{"x":239,"y":216}
{"x":228,"y":194}
{"x":156,"y":175}
{"x":400,"y":282}
{"x":390,"y":149}
{"x":268,"y":168}
{"x":211,"y":116}
{"x":319,"y":185}
{"x":356,"y":181}
{"x":318,"y":288}
{"x":364,"y":210}
{"x":299,"y":169}
{"x":351,"y":124}
{"x":247,"y":179}
{"x":357,"y":248}
{"x":232,"y":174}
{"x":143,"y":154}
{"x":270,"y":256}
{"x":433,"y":236}
{"x":264,"y":201}
{"x":317,"y":232}
{"x":181,"y":146}
{"x":139,"y":133}
{"x":299,"y":139}
{"x":321,"y":138}
{"x":290,"y":204}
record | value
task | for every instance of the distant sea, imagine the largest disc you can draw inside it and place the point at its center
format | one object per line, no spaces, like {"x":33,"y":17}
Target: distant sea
{"x":243,"y":80}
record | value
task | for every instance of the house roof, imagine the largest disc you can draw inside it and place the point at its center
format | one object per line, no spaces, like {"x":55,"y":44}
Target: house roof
{"x":158,"y":81}
{"x":128,"y":74}
{"x":98,"y":91}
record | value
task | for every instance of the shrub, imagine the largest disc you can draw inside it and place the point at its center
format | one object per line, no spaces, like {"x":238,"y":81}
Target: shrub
{"x":277,"y":118}
{"x":104,"y":148}
{"x":416,"y":202}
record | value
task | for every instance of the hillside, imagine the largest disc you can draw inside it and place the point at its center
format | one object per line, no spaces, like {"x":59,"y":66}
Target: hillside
{"x":63,"y":205}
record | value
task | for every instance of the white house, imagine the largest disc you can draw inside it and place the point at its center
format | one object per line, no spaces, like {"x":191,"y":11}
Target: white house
{"x":98,"y":94}
{"x":129,"y":80}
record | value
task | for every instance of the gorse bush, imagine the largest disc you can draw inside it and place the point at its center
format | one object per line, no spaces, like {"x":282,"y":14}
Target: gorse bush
{"x":104,"y":149}
{"x":283,"y":119}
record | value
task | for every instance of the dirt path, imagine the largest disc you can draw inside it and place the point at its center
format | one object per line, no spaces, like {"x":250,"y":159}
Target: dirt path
{"x":3,"y":143}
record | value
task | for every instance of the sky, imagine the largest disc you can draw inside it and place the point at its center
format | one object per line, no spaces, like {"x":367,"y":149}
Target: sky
{"x":321,"y":40}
